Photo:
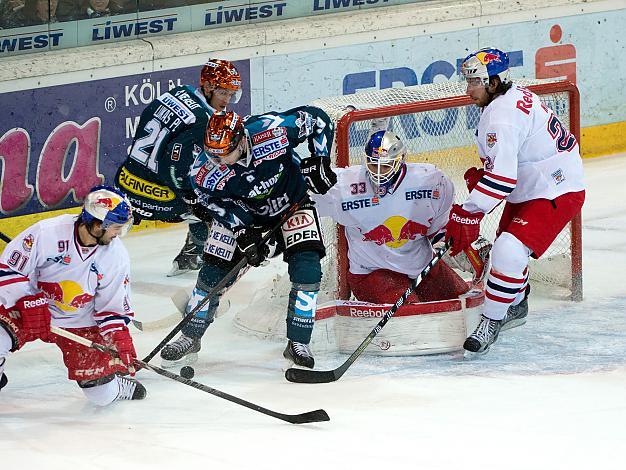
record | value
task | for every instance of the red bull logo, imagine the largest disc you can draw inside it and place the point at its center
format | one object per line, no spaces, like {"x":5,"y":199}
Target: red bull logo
{"x":487,"y":57}
{"x":395,"y":232}
{"x":67,"y":296}
{"x":108,"y":202}
{"x":28,"y":242}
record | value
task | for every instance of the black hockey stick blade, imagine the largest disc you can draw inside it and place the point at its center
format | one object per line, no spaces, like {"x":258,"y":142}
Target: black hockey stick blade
{"x":306,"y":376}
{"x":301,"y":418}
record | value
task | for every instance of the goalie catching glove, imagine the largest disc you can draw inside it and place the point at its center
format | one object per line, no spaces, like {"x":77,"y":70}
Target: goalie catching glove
{"x":250,"y":244}
{"x":463,"y":228}
{"x":318,"y":174}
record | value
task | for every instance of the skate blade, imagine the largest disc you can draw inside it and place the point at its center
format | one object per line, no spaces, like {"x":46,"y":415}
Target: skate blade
{"x":189,"y":359}
{"x":471,"y":356}
{"x":513,"y":324}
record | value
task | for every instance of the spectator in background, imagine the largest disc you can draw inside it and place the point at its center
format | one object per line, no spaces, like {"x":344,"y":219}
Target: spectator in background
{"x":27,"y":13}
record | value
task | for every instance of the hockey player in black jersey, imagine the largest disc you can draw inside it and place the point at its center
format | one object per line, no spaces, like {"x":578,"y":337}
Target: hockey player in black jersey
{"x":247,"y":178}
{"x":170,"y":134}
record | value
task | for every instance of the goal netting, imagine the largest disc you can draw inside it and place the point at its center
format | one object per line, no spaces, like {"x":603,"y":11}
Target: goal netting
{"x":437,"y":123}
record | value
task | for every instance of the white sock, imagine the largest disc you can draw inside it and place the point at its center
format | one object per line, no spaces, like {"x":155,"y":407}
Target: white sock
{"x":103,"y":395}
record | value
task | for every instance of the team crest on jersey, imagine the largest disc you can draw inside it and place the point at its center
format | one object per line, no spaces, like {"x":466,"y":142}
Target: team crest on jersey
{"x":304,"y":124}
{"x":176,"y":150}
{"x":558,"y":176}
{"x":28,"y":242}
{"x":492,"y":139}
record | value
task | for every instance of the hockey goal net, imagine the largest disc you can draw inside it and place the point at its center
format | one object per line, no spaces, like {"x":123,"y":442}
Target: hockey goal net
{"x":437,"y":123}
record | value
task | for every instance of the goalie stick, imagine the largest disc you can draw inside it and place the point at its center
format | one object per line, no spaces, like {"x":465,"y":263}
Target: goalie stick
{"x":325,"y":376}
{"x":225,"y":280}
{"x":301,"y":418}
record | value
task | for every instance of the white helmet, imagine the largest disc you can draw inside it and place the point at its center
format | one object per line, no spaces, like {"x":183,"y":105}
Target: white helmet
{"x":384,"y":157}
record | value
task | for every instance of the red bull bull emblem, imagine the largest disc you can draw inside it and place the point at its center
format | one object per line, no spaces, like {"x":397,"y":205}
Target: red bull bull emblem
{"x":395,"y":232}
{"x":487,"y":57}
{"x":28,"y":242}
{"x":67,"y":296}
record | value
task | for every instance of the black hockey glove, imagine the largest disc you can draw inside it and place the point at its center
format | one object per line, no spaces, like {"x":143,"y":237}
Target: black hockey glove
{"x":249,"y":242}
{"x":318,"y":174}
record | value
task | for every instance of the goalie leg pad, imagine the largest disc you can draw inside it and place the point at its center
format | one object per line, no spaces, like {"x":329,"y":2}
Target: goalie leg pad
{"x":508,"y":276}
{"x":302,"y":232}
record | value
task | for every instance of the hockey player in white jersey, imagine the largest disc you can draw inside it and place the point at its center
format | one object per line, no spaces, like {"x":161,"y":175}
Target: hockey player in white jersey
{"x":530,"y":160}
{"x":391,"y":211}
{"x":73,"y":272}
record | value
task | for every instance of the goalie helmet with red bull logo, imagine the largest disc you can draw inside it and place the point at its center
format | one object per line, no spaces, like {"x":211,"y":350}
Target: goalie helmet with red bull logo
{"x":219,"y":73}
{"x":384,"y":157}
{"x":480,"y":66}
{"x":108,"y":205}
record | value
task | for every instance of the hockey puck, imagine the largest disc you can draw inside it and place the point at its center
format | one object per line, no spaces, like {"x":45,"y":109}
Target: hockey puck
{"x":187,"y":372}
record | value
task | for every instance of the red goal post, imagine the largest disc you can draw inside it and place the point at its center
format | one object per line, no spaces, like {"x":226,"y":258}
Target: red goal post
{"x":437,"y":123}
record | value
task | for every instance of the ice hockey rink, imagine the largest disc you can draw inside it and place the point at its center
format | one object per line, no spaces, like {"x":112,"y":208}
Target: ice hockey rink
{"x":549,"y":395}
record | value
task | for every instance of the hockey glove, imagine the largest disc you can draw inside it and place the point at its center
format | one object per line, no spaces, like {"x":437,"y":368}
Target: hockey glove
{"x":318,"y":174}
{"x":463,"y":228}
{"x":35,"y":315}
{"x":249,"y":242}
{"x":123,"y":344}
{"x":472,"y":176}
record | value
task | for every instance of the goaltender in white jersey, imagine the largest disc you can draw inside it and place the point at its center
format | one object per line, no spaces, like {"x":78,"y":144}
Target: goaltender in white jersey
{"x":391,"y":210}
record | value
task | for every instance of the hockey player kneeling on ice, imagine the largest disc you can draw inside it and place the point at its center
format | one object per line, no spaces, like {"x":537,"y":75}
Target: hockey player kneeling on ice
{"x":73,"y":273}
{"x":170,"y":133}
{"x":530,"y":160}
{"x":391,"y":211}
{"x":248,"y":177}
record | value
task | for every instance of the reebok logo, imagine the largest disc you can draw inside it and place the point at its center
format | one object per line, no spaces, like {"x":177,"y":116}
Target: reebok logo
{"x":465,"y":220}
{"x":35,"y":303}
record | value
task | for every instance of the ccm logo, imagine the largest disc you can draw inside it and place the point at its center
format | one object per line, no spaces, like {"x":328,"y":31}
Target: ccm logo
{"x":35,"y":303}
{"x":465,"y":220}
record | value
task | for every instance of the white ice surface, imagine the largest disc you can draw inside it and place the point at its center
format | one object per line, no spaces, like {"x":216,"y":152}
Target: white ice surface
{"x":549,"y":395}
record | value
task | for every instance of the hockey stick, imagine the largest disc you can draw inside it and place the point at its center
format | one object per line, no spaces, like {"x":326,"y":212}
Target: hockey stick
{"x":325,"y":376}
{"x":301,"y":418}
{"x":225,"y":280}
{"x":5,"y":238}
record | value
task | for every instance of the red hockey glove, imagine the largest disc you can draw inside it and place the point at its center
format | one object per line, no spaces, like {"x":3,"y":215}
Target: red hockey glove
{"x":463,"y":228}
{"x":123,"y":344}
{"x":472,"y":176}
{"x":35,"y":315}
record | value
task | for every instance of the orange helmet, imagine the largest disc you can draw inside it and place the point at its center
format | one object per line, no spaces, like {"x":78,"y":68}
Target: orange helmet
{"x":219,"y":73}
{"x":223,"y":134}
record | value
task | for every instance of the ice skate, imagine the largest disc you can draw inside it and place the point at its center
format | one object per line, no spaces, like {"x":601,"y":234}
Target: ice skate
{"x":181,"y":352}
{"x":485,"y":334}
{"x":189,"y":258}
{"x":516,"y":314}
{"x":130,"y":389}
{"x":300,"y":354}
